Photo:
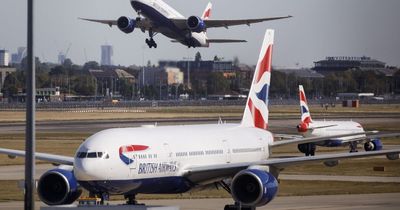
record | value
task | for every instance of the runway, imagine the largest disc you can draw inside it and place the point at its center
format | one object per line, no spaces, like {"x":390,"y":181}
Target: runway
{"x":387,"y":201}
{"x":92,"y":126}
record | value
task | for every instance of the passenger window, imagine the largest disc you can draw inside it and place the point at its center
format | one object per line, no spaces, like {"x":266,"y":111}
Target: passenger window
{"x":100,"y":154}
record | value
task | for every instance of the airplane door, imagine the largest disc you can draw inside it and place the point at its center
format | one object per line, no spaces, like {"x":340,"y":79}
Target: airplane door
{"x":133,"y":165}
{"x":227,"y":151}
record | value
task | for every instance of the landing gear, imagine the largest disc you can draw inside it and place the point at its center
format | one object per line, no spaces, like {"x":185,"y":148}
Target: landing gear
{"x":353,"y":147}
{"x":131,"y":199}
{"x":150,"y":42}
{"x":237,"y":206}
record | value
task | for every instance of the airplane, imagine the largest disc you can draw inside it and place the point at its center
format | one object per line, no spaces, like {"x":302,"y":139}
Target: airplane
{"x":178,"y":158}
{"x":155,"y":16}
{"x":312,"y":128}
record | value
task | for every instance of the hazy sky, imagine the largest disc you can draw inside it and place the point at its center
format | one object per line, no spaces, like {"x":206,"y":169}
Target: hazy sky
{"x":319,"y":28}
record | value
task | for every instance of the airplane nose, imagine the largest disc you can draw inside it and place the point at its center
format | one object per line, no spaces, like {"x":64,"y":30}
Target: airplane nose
{"x":84,"y":169}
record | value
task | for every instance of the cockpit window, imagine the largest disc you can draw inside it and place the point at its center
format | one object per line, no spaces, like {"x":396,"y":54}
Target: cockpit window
{"x":81,"y":154}
{"x":92,"y":155}
{"x":103,"y":155}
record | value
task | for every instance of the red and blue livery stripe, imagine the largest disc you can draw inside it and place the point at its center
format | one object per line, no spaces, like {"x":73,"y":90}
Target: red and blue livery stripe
{"x":130,"y":148}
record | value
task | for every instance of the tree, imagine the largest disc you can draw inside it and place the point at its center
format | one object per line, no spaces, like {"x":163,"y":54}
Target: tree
{"x":197,"y":57}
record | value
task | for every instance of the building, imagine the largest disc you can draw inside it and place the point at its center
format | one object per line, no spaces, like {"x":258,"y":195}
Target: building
{"x":302,"y":73}
{"x":106,"y":54}
{"x":200,"y":70}
{"x":4,"y":72}
{"x":48,"y":94}
{"x":17,"y":57}
{"x":344,"y":63}
{"x":160,"y":76}
{"x":107,"y":81}
{"x":4,"y":58}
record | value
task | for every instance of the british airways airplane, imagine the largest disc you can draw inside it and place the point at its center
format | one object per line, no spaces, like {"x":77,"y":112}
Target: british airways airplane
{"x":313,"y":128}
{"x":176,"y":159}
{"x":155,"y":16}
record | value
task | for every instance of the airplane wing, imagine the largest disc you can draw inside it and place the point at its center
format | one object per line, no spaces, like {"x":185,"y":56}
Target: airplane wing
{"x":225,"y":40}
{"x":198,"y":173}
{"x":210,"y":23}
{"x":315,"y":139}
{"x":227,"y":23}
{"x":384,"y":135}
{"x":143,"y":24}
{"x":59,"y":159}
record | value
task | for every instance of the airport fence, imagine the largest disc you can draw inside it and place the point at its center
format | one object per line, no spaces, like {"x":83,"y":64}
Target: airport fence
{"x":141,"y":106}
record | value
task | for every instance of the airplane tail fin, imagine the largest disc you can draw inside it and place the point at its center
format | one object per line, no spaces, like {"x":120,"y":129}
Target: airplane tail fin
{"x":304,"y":110}
{"x":256,"y":111}
{"x":207,"y":12}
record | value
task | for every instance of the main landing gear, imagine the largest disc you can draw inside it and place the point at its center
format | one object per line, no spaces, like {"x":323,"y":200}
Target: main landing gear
{"x":150,"y":42}
{"x":131,"y":199}
{"x":236,"y":206}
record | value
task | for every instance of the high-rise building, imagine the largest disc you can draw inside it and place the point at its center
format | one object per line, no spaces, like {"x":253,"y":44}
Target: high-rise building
{"x":17,"y":57}
{"x":4,"y":58}
{"x":106,"y":53}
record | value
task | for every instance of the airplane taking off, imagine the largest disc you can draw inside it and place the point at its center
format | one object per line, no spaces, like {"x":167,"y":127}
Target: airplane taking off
{"x":312,"y":128}
{"x":176,"y":159}
{"x":155,"y":16}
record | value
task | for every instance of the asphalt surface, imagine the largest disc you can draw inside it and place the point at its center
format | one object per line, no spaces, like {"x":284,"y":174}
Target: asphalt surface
{"x":389,"y":201}
{"x":92,"y":126}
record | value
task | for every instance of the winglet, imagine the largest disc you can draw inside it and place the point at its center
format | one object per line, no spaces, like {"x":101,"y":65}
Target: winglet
{"x":256,"y":111}
{"x":207,"y":12}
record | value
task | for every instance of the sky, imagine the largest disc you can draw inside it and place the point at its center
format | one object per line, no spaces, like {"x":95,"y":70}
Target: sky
{"x":319,"y":28}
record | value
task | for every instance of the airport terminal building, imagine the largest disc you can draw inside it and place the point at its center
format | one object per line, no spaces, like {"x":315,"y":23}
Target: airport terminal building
{"x":344,"y":63}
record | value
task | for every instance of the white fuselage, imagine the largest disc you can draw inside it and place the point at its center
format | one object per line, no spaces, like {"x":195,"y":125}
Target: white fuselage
{"x":330,"y":128}
{"x":167,"y":152}
{"x":161,"y":13}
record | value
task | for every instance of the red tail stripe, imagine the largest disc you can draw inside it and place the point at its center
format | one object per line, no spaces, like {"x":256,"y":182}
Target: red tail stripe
{"x":259,"y":121}
{"x":265,"y":64}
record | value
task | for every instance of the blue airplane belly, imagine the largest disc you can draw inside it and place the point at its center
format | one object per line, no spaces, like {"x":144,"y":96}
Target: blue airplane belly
{"x":162,"y":185}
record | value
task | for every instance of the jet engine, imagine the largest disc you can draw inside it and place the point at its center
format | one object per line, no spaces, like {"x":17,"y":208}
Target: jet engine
{"x":302,"y":127}
{"x":58,"y":187}
{"x":307,"y":148}
{"x":125,"y":24}
{"x":253,"y":187}
{"x":196,"y":24}
{"x":373,"y":145}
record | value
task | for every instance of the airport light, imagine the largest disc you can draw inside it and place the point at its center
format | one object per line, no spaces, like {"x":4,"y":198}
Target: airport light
{"x":29,"y":201}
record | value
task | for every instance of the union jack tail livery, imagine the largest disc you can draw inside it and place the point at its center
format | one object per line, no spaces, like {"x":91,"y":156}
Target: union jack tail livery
{"x":305,"y":112}
{"x":207,"y":12}
{"x":256,"y":111}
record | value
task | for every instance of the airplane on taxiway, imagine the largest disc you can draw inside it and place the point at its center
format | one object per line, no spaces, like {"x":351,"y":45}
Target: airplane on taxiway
{"x":155,"y":16}
{"x":313,"y":128}
{"x":176,"y":159}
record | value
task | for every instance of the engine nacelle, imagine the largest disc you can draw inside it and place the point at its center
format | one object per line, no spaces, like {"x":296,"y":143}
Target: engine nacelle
{"x":58,"y":187}
{"x":196,"y":24}
{"x":374,"y":145}
{"x":125,"y":24}
{"x":302,"y":127}
{"x":253,"y":187}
